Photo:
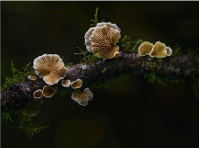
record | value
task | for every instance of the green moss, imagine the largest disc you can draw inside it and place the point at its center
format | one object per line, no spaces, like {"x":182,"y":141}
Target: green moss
{"x":27,"y":125}
{"x":129,"y":45}
{"x":192,"y":52}
{"x":6,"y":117}
{"x":68,"y":64}
{"x":152,"y":78}
{"x":17,"y":76}
{"x":195,"y":87}
{"x":96,"y":20}
{"x":87,"y":56}
{"x":176,"y":51}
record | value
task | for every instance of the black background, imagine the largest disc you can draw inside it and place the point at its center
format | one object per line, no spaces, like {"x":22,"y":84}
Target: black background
{"x":134,"y":113}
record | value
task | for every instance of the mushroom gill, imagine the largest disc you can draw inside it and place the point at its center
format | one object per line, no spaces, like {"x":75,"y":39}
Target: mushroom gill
{"x":50,"y":67}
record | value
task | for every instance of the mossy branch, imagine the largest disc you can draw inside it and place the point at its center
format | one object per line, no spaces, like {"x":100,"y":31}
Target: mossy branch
{"x":179,"y":69}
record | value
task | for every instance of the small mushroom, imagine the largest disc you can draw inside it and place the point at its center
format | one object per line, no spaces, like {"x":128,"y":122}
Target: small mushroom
{"x":48,"y":91}
{"x":102,"y":39}
{"x":117,"y":54}
{"x":145,"y":48}
{"x":66,"y":83}
{"x":30,"y":77}
{"x":169,"y":51}
{"x":76,"y":84}
{"x":38,"y":94}
{"x":82,"y":98}
{"x":50,"y":67}
{"x":159,"y":50}
{"x":33,"y":107}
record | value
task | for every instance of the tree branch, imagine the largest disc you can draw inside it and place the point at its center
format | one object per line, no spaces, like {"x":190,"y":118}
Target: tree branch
{"x":183,"y":68}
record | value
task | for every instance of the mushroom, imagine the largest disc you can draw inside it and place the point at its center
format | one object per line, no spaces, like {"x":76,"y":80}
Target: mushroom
{"x":33,"y":107}
{"x":117,"y":54}
{"x":33,"y":78}
{"x":38,"y":94}
{"x":50,"y":67}
{"x":145,"y":48}
{"x":48,"y":91}
{"x":82,"y":98}
{"x":159,"y":50}
{"x":169,"y":51}
{"x":76,"y":84}
{"x":86,"y":37}
{"x":66,"y":83}
{"x":102,"y":39}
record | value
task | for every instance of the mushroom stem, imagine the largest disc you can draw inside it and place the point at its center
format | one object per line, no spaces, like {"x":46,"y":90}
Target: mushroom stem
{"x":183,"y":68}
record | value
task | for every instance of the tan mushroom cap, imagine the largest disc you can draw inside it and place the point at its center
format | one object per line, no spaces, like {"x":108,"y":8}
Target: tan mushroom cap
{"x":82,"y":98}
{"x":159,"y":50}
{"x":33,"y":78}
{"x":48,"y":91}
{"x":76,"y":84}
{"x":145,"y":48}
{"x":66,"y":83}
{"x":169,"y":51}
{"x":50,"y":67}
{"x":38,"y":94}
{"x":103,"y":42}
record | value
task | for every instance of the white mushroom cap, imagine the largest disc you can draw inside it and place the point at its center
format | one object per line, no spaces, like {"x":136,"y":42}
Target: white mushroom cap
{"x":159,"y":50}
{"x":38,"y":94}
{"x":109,"y":24}
{"x":86,"y":37}
{"x":102,"y":40}
{"x":169,"y":51}
{"x":76,"y":84}
{"x":145,"y":48}
{"x":50,"y":67}
{"x":82,"y":98}
{"x":66,"y":83}
{"x":48,"y":91}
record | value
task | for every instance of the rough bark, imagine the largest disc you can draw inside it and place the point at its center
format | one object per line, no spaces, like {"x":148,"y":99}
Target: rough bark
{"x":182,"y":68}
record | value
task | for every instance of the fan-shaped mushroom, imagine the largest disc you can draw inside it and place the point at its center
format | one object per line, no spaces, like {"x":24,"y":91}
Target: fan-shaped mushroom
{"x":66,"y":83}
{"x":159,"y":50}
{"x":102,"y":39}
{"x":82,"y":98}
{"x":50,"y":67}
{"x":38,"y":94}
{"x":48,"y":91}
{"x":76,"y":84}
{"x":145,"y":48}
{"x":33,"y":107}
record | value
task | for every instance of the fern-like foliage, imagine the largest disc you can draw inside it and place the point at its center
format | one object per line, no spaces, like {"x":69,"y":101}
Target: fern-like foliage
{"x":129,"y":45}
{"x":17,"y":75}
{"x":96,"y":20}
{"x":176,"y":51}
{"x":195,"y":88}
{"x":27,"y":125}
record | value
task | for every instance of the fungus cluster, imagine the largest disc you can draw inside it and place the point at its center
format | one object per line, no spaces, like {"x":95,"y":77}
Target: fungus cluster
{"x":158,"y":50}
{"x":48,"y":91}
{"x":102,"y":39}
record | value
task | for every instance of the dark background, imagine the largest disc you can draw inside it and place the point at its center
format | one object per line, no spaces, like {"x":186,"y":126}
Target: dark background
{"x":134,"y":113}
